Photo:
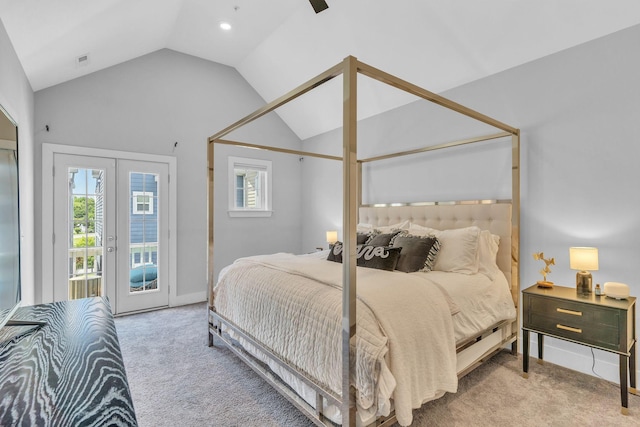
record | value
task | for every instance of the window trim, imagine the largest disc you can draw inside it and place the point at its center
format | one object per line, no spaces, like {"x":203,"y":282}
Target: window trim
{"x":255,"y":164}
{"x":134,"y":208}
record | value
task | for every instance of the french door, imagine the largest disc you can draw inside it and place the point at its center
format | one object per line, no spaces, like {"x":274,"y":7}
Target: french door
{"x":143,"y":223}
{"x":111,"y":231}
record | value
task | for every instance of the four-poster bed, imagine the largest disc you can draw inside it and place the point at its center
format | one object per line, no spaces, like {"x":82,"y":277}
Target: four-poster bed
{"x":499,"y":219}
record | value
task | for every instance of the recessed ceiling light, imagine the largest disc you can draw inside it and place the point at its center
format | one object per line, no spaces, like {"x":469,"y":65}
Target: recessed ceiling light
{"x":225,"y":26}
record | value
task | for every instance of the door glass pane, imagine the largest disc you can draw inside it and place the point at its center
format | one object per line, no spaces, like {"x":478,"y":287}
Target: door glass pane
{"x":143,"y":232}
{"x":86,"y":225}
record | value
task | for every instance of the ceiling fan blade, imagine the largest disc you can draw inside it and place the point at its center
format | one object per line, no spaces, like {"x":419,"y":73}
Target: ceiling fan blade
{"x":319,"y":5}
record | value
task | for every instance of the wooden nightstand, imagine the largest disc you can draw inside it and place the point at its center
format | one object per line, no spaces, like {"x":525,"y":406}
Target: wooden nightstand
{"x":594,"y":321}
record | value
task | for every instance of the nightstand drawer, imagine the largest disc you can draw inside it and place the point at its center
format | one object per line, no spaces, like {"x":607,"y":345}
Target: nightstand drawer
{"x":585,"y":323}
{"x":569,"y":311}
{"x":576,"y":329}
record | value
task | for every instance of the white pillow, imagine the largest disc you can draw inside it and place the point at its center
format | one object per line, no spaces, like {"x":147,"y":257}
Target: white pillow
{"x":487,"y":252}
{"x":389,"y":228}
{"x":364,"y":228}
{"x":458,"y":248}
{"x":421,"y":230}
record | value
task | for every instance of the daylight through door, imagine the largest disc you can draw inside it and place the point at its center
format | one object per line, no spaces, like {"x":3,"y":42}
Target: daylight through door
{"x":84,"y":233}
{"x":111,"y":231}
{"x":143,"y":222}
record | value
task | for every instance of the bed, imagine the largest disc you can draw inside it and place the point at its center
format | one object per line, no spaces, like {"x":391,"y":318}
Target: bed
{"x":292,"y":318}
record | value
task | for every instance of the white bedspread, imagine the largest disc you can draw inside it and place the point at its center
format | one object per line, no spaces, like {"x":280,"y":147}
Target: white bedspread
{"x":483,"y":302}
{"x":405,"y":334}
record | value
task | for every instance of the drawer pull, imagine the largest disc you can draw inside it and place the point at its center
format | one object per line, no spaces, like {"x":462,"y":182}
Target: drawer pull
{"x":565,"y":311}
{"x":569,"y":328}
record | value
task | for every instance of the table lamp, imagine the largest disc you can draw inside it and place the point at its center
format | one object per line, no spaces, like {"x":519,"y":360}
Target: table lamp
{"x":583,"y":259}
{"x":332,"y":237}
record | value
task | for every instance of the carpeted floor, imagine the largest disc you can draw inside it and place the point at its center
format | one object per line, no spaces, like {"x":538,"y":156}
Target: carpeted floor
{"x":177,"y":380}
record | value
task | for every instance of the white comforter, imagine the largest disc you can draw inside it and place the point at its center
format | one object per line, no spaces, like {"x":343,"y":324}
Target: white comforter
{"x":405,"y":335}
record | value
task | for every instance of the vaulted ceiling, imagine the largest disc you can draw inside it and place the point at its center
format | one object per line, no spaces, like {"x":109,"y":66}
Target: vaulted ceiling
{"x":278,"y":44}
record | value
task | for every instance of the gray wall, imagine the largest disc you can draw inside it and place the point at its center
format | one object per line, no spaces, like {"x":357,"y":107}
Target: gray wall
{"x":579,"y":112}
{"x":148,"y":104}
{"x":16,"y":97}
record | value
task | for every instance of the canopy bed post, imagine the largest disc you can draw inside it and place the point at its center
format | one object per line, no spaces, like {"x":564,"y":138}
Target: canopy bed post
{"x":349,"y":222}
{"x":515,"y":232}
{"x":210,"y":204}
{"x":210,"y":149}
{"x":359,"y":183}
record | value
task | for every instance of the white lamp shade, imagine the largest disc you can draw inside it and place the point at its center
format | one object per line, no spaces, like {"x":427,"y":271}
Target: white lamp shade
{"x":583,"y":258}
{"x":332,"y":236}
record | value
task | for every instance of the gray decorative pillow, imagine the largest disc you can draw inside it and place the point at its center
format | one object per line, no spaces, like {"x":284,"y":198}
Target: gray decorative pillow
{"x":335,"y":252}
{"x":380,"y":257}
{"x":383,"y":239}
{"x":362,"y":238}
{"x":418,"y":252}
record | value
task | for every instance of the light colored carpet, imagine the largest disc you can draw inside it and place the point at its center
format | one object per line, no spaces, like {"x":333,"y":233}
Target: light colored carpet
{"x":177,"y":380}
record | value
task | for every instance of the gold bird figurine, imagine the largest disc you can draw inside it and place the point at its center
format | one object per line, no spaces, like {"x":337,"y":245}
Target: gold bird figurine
{"x":546,"y":270}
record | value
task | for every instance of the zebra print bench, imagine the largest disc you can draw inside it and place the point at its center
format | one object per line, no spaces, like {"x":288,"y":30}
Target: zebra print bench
{"x":67,"y":373}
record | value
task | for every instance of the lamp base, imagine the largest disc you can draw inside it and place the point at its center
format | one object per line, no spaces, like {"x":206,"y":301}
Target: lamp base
{"x":584,"y":282}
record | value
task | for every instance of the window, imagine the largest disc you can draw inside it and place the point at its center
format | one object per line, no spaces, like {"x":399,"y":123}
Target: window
{"x":249,"y":187}
{"x":142,"y":202}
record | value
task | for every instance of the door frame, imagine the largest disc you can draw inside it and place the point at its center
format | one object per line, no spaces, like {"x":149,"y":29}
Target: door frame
{"x":48,"y":152}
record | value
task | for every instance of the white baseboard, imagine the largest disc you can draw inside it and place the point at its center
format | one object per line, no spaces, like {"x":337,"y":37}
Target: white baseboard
{"x":192,"y":298}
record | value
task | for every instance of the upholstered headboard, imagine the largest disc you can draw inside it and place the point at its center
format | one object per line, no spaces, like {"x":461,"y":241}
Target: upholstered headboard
{"x":495,"y":217}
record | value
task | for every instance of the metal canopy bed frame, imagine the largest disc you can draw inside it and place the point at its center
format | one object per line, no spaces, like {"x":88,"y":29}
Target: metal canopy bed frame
{"x":501,"y":335}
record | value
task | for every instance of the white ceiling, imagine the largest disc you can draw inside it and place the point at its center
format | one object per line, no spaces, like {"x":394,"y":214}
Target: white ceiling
{"x":278,"y":44}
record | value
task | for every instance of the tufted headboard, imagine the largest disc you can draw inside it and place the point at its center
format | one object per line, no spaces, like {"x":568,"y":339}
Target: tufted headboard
{"x":495,"y":217}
